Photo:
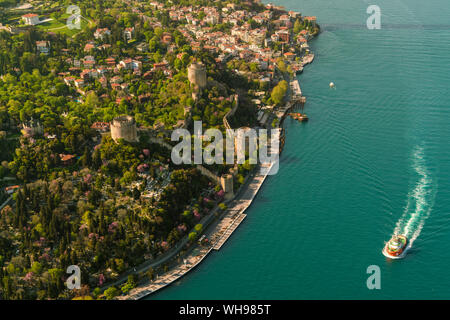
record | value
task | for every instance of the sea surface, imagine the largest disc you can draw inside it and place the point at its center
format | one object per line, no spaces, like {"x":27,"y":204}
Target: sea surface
{"x":374,"y":159}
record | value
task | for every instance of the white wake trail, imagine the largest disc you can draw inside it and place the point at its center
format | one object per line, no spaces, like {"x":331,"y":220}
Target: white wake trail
{"x":420,"y":201}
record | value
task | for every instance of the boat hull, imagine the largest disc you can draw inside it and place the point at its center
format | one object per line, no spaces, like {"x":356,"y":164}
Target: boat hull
{"x":400,"y":256}
{"x":393,"y":255}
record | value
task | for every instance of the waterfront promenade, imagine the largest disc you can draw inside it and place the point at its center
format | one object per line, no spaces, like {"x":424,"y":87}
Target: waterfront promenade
{"x":220,"y":230}
{"x":217,"y":233}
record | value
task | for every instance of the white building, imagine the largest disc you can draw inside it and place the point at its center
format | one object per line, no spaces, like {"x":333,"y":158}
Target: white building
{"x":128,"y":33}
{"x":43,"y":47}
{"x":31,"y":19}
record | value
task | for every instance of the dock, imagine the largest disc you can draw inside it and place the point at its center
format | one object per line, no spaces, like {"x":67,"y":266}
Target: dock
{"x":295,"y":87}
{"x":297,"y":96}
{"x":308,"y":59}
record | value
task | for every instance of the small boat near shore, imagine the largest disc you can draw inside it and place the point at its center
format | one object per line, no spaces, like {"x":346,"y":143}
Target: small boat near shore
{"x":396,"y":247}
{"x":299,"y":116}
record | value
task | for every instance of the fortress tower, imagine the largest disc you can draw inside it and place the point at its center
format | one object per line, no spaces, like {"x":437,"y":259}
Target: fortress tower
{"x":197,"y":77}
{"x":124,"y":127}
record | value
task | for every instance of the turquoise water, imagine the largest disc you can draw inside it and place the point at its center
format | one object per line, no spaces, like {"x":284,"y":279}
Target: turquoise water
{"x":374,"y":156}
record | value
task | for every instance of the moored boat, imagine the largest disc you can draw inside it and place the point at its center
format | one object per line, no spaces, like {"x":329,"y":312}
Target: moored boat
{"x":299,"y":116}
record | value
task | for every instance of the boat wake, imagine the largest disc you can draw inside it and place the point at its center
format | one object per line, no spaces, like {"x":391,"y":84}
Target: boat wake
{"x":420,"y":201}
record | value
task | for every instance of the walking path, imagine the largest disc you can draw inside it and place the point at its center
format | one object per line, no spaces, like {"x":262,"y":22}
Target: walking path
{"x":236,"y":222}
{"x":6,"y":202}
{"x":217,"y":234}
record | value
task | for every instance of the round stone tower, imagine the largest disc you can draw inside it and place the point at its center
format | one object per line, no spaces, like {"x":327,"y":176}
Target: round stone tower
{"x":197,"y":75}
{"x":124,"y":127}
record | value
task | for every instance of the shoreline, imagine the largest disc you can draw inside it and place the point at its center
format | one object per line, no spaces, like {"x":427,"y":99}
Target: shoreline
{"x":220,"y":229}
{"x":216,"y":232}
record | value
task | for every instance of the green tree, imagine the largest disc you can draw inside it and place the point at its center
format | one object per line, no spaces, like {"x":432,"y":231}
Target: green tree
{"x":297,"y":26}
{"x":279,"y":92}
{"x":111,"y":293}
{"x":192,"y":236}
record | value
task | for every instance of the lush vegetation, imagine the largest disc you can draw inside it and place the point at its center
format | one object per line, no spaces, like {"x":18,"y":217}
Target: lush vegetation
{"x":83,"y":199}
{"x":97,"y":220}
{"x":279,"y":92}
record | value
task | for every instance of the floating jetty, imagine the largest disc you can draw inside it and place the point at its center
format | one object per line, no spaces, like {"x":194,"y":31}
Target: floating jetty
{"x":299,"y":116}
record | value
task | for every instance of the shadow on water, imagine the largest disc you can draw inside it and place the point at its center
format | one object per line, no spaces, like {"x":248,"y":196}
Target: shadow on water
{"x":262,"y":199}
{"x":290,"y":159}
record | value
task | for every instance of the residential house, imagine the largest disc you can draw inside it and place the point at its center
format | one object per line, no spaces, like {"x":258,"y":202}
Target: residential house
{"x":100,"y":126}
{"x":11,"y":189}
{"x":89,"y":46}
{"x":31,"y":19}
{"x":110,"y":61}
{"x":166,"y":38}
{"x":101,"y":33}
{"x":128,"y":33}
{"x":103,"y":81}
{"x":67,"y":159}
{"x":43,"y":47}
{"x":312,"y":20}
{"x":79,"y":83}
{"x":290,"y":56}
{"x":130,"y":64}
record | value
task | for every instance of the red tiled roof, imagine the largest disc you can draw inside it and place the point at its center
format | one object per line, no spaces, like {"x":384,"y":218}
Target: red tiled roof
{"x":11,"y":188}
{"x":66,"y":157}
